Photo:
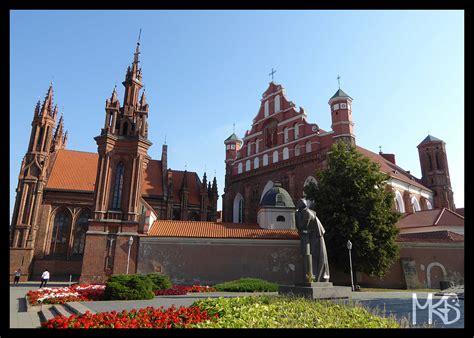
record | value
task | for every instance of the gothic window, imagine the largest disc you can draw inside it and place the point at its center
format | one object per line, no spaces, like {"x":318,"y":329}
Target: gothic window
{"x":39,"y":140}
{"x":265,"y":159}
{"x":286,"y":135}
{"x":118,"y":185}
{"x":430,"y":162}
{"x":59,"y":239}
{"x":27,"y":207}
{"x":297,"y":131}
{"x":80,"y":233}
{"x":415,"y":204}
{"x":439,"y":163}
{"x":280,"y":218}
{"x":257,"y":146}
{"x":249,"y":149}
{"x":308,"y":147}
{"x":256,"y":163}
{"x":239,"y":168}
{"x":399,"y":205}
{"x":238,"y":208}
{"x":275,"y":156}
{"x":266,"y":110}
{"x":277,"y":103}
{"x":428,"y":205}
{"x":286,"y":153}
{"x":247,"y":165}
{"x":297,"y":150}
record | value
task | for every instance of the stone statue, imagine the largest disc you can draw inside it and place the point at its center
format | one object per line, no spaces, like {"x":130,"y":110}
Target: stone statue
{"x":311,"y":233}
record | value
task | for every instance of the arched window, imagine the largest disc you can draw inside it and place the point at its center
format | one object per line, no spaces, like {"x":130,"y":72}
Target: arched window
{"x":429,"y":206}
{"x":247,"y":165}
{"x":399,"y":205}
{"x":308,"y":147}
{"x":286,"y":153}
{"x":249,"y":149}
{"x":439,"y":162}
{"x":257,"y":146}
{"x":430,"y":162}
{"x":238,"y":208}
{"x":275,"y":156}
{"x":297,"y":150}
{"x":118,"y":185}
{"x":60,"y":237}
{"x":286,"y":136}
{"x":256,"y":163}
{"x":82,"y":224}
{"x":280,"y":218}
{"x":277,"y":103}
{"x":266,"y":110}
{"x":297,"y":130}
{"x":416,"y":204}
{"x":265,"y":159}
{"x":239,"y":168}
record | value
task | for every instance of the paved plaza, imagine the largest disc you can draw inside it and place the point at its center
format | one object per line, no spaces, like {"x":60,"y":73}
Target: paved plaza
{"x":398,"y":304}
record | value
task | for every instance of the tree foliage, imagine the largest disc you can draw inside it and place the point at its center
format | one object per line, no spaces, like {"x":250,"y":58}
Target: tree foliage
{"x":352,"y":202}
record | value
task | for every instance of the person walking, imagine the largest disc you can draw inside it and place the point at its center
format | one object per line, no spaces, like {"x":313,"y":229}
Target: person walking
{"x":17,"y":277}
{"x":44,"y":278}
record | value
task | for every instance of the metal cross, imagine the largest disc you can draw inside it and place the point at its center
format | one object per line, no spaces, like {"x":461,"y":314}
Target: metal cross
{"x":380,"y":148}
{"x":339,"y":84}
{"x":271,"y":74}
{"x":233,"y":127}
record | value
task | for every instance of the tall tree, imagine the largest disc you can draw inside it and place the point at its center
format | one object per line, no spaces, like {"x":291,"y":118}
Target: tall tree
{"x":352,"y":202}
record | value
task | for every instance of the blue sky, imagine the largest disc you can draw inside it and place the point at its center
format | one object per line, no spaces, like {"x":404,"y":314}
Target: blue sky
{"x":205,"y":70}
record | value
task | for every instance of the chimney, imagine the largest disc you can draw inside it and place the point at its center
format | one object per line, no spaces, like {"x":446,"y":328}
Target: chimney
{"x":388,"y":157}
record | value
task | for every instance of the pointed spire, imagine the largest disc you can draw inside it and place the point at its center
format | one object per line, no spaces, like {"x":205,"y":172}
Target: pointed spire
{"x":114,"y":97}
{"x":137,"y":49}
{"x":38,"y":107}
{"x":59,"y":129}
{"x":143,"y":102}
{"x":65,"y":140}
{"x":55,"y":111}
{"x":48,"y":101}
{"x":204,"y":180}
{"x":214,"y":185}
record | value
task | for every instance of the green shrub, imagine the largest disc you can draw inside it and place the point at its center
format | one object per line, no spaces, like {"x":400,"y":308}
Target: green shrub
{"x":128,"y":287}
{"x":247,"y":285}
{"x":285,"y":312}
{"x":160,"y":281}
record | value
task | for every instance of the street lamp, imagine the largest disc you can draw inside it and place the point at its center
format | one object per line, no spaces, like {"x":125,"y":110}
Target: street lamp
{"x":349,"y":247}
{"x":130,"y":242}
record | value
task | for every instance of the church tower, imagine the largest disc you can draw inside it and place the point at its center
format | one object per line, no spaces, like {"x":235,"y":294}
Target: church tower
{"x":341,"y":117}
{"x":31,"y":182}
{"x":123,"y":157}
{"x":435,"y":172}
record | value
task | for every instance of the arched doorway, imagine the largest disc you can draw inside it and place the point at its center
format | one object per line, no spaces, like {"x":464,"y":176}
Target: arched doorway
{"x":238,"y":209}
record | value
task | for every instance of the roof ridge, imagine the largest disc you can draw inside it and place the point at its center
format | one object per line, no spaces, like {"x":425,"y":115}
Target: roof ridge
{"x":77,"y":151}
{"x":439,"y":216}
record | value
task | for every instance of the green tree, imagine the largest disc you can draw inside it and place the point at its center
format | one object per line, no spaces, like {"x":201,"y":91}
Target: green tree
{"x":352,"y":202}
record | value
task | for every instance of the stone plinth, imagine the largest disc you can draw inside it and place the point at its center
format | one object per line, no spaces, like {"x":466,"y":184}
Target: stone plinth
{"x":318,"y":290}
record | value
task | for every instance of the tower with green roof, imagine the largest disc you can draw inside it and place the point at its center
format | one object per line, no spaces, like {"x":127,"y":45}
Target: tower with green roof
{"x":341,"y":117}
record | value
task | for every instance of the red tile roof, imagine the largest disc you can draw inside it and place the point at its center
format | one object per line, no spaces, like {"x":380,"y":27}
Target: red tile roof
{"x":391,"y":169}
{"x":428,"y":218}
{"x":162,"y":228}
{"x":460,"y":211}
{"x":73,"y":170}
{"x":434,"y":236}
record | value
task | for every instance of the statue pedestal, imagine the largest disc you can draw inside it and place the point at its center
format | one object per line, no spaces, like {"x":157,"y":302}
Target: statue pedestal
{"x":317,"y":290}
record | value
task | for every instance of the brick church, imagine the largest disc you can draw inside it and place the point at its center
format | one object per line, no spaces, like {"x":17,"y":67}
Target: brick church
{"x":111,"y":195}
{"x":119,"y":211}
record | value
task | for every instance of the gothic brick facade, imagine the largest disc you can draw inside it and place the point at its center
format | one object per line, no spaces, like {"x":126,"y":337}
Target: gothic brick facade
{"x":75,"y":211}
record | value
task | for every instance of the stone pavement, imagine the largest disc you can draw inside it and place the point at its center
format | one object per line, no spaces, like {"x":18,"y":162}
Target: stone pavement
{"x":398,"y":304}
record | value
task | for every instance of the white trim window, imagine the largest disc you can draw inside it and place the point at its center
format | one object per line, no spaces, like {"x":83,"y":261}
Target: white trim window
{"x":275,"y":156}
{"x":256,"y":163}
{"x":415,"y":204}
{"x":399,"y":205}
{"x":308,"y":147}
{"x":277,"y":103}
{"x":247,"y":165}
{"x":297,"y":150}
{"x":297,"y":131}
{"x":286,"y":136}
{"x":239,"y":168}
{"x":286,"y":153}
{"x":265,"y":159}
{"x":265,"y":109}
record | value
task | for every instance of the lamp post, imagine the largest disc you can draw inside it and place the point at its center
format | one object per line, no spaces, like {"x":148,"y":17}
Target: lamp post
{"x":130,"y":242}
{"x":349,"y":247}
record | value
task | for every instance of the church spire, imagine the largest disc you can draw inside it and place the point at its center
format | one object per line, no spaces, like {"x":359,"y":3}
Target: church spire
{"x":48,"y":102}
{"x":132,"y":83}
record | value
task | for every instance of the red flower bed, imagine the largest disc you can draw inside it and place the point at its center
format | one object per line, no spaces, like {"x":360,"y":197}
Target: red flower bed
{"x":148,"y":317}
{"x":75,"y":293}
{"x":184,"y":289}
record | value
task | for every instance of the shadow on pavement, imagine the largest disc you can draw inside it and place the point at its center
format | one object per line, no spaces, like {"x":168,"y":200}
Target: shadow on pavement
{"x":22,"y":305}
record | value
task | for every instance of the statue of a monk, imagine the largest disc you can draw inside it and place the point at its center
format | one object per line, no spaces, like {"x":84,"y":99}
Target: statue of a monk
{"x":311,"y":230}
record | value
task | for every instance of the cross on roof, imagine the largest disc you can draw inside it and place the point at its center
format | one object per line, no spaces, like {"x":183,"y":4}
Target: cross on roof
{"x":233,"y":128}
{"x":271,"y":74}
{"x":338,"y":83}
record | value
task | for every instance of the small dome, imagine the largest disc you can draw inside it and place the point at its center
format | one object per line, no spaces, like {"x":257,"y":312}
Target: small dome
{"x":277,"y":197}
